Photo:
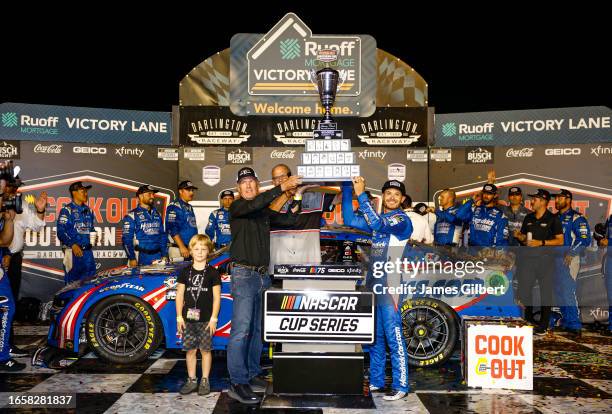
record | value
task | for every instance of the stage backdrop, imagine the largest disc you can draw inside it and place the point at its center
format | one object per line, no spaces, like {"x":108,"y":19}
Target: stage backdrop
{"x":583,"y":169}
{"x":115,"y":171}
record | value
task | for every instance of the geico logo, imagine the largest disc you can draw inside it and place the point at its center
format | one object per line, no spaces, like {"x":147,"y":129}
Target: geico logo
{"x":562,"y":151}
{"x":344,"y":303}
{"x":89,"y":150}
{"x":336,"y":270}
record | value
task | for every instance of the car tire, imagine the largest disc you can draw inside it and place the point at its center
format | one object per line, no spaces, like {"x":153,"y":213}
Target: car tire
{"x":123,"y":329}
{"x":431,"y":330}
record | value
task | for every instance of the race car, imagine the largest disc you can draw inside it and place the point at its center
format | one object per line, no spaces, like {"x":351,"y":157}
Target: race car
{"x":125,"y":314}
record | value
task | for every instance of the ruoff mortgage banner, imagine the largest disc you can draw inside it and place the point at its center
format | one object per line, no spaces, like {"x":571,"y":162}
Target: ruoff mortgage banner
{"x":269,"y":74}
{"x":532,"y":127}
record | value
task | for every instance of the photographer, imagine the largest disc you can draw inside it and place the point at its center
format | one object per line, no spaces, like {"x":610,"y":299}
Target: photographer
{"x":26,"y":218}
{"x":7,"y":302}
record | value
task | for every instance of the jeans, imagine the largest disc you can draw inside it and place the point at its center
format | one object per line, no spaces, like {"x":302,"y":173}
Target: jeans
{"x":7,"y":312}
{"x":245,"y":342}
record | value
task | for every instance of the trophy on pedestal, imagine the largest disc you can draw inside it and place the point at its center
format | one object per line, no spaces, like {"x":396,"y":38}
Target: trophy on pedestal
{"x":328,"y":156}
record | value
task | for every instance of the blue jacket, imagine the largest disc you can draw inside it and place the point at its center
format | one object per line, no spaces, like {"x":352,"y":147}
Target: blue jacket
{"x":488,"y":225}
{"x":218,"y":228}
{"x":576,"y":231}
{"x":181,"y":220}
{"x":74,"y":224}
{"x":448,"y":227}
{"x":147,"y":228}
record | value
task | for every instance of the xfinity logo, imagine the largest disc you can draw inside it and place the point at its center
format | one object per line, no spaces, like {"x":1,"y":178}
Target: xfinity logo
{"x":48,"y":149}
{"x":519,"y":153}
{"x":562,"y":151}
{"x":89,"y":150}
{"x":287,"y":154}
{"x":599,"y":150}
{"x":372,"y":154}
{"x":129,"y":151}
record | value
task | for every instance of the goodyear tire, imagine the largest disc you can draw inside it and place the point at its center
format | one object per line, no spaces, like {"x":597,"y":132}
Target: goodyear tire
{"x":431,"y":330}
{"x":123,"y":329}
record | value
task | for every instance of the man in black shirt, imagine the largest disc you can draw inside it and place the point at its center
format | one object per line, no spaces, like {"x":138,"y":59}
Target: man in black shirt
{"x":250,"y":220}
{"x":540,"y":229}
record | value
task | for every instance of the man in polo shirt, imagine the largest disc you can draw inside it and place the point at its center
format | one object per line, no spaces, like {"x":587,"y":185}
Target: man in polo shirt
{"x":540,"y":231}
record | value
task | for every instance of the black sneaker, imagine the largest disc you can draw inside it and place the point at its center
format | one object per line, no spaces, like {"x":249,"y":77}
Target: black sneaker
{"x":190,"y":386}
{"x":11,"y":366}
{"x":17,"y":352}
{"x":258,"y":384}
{"x":539,"y":331}
{"x":243,"y":393}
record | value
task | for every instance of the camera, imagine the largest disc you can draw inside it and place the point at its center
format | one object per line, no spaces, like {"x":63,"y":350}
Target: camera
{"x":8,"y":177}
{"x":12,"y":203}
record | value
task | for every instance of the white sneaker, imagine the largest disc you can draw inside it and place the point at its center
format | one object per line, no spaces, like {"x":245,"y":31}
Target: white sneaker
{"x":374,"y":388}
{"x":395,"y":395}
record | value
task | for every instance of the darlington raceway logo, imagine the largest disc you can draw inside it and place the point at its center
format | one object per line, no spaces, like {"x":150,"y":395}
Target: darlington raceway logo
{"x":279,"y":63}
{"x":295,"y":131}
{"x":218,"y":131}
{"x":389,"y":131}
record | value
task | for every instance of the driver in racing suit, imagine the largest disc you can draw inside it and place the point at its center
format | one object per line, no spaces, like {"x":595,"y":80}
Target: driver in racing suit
{"x":391,"y":229}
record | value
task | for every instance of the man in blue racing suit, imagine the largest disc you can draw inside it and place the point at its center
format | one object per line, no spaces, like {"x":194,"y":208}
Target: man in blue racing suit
{"x":448,"y":227}
{"x":576,"y":236}
{"x":488,"y":224}
{"x":607,"y":242}
{"x":390,"y":232}
{"x":143,"y":231}
{"x":218,"y":228}
{"x":181,"y":222}
{"x":74,"y":226}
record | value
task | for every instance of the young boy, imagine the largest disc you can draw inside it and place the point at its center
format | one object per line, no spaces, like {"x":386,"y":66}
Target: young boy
{"x":198,"y":299}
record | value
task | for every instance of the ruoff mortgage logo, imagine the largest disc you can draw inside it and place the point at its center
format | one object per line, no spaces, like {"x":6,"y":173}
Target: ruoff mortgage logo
{"x":389,"y":131}
{"x":295,"y":131}
{"x":279,"y":63}
{"x":479,"y":155}
{"x":218,"y":131}
{"x":467,"y":132}
{"x":31,"y":125}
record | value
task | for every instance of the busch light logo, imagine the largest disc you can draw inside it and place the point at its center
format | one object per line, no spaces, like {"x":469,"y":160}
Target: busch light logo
{"x":479,"y":155}
{"x":239,"y":156}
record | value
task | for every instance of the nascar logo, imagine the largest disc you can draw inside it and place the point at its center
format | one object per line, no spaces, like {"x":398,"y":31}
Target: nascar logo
{"x":333,"y":303}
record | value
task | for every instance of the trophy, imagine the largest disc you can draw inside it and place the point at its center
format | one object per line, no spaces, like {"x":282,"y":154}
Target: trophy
{"x":328,"y":157}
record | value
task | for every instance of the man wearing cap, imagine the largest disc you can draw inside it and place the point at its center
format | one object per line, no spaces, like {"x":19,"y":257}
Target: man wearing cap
{"x":488,"y":225}
{"x":515,"y":212}
{"x":74,"y":228}
{"x":577,"y":237}
{"x":390,"y":233}
{"x":181,"y":221}
{"x":448,"y":228}
{"x":218,"y":227}
{"x":250,"y":223}
{"x":143,"y":231}
{"x":540,"y":230}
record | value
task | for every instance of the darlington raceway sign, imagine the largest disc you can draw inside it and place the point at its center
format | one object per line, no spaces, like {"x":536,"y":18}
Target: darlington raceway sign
{"x":319,"y":316}
{"x":269,"y":74}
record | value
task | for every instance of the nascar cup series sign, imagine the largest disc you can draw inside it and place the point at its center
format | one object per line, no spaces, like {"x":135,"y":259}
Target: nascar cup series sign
{"x":319,"y":316}
{"x":499,"y":356}
{"x":269,"y":74}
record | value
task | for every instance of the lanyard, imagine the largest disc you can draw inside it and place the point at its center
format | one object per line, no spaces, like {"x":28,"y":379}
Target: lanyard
{"x":195,"y":298}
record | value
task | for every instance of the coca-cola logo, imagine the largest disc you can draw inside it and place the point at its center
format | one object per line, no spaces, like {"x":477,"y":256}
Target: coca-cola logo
{"x":519,"y":153}
{"x":286,"y":154}
{"x":48,"y":149}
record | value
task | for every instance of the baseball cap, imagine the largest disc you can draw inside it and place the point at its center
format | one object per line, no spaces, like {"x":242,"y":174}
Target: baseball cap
{"x":146,"y":189}
{"x":515,"y":191}
{"x":14,"y":182}
{"x":489,"y":188}
{"x":77,"y":185}
{"x":227,"y":193}
{"x":421,"y":208}
{"x":541,"y":194}
{"x":398,"y":185}
{"x":564,"y":193}
{"x":246,"y":172}
{"x":186,"y":185}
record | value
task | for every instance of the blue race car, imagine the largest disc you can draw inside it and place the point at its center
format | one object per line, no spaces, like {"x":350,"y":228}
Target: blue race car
{"x":125,"y":314}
